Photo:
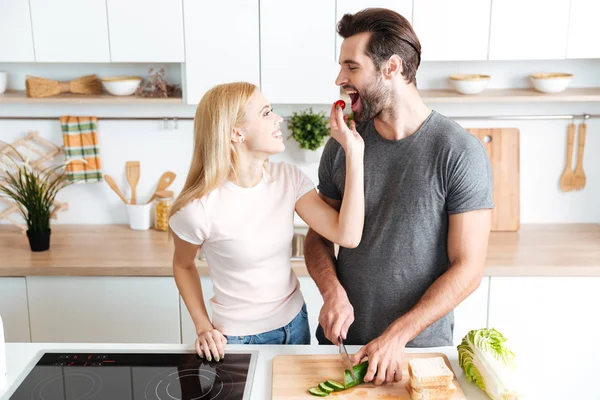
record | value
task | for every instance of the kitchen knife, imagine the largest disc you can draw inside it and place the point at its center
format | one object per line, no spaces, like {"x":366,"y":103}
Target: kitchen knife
{"x":346,"y":358}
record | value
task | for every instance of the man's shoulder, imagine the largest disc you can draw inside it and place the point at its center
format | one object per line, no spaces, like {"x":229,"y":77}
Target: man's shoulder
{"x":449,"y":134}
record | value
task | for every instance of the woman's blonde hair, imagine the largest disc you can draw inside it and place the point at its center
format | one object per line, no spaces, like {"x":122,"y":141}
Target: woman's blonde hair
{"x":221,"y":109}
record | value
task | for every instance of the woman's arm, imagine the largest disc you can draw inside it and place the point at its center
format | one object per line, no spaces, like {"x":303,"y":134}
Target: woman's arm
{"x":210,"y":342}
{"x":344,"y":228}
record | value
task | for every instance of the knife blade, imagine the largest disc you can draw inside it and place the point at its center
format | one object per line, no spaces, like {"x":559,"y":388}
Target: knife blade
{"x":345,"y":357}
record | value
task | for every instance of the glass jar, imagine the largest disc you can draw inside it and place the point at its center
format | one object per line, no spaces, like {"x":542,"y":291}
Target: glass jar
{"x":164,"y":201}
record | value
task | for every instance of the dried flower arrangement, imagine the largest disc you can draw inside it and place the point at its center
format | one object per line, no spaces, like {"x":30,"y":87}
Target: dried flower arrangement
{"x":157,"y":87}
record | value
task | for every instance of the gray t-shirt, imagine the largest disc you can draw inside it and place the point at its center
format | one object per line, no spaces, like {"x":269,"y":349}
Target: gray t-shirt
{"x":411,"y":186}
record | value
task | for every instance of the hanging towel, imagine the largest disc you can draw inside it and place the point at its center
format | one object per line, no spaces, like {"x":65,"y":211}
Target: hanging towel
{"x":80,"y":136}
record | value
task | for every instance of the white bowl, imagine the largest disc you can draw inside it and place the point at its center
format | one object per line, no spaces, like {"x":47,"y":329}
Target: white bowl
{"x":121,"y":85}
{"x":550,"y":82}
{"x":469,"y":83}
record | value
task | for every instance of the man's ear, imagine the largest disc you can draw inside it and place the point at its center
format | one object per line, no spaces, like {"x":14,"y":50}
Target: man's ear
{"x":393,"y":67}
{"x":237,"y":136}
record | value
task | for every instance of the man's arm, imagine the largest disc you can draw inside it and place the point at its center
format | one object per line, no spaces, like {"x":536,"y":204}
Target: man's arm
{"x":468,"y":235}
{"x":337,"y":313}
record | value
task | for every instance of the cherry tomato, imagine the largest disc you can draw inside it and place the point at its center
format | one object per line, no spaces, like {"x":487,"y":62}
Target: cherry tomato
{"x":341,"y":103}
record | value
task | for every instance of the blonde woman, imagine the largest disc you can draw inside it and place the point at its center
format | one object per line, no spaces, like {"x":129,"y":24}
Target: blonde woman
{"x":240,"y":208}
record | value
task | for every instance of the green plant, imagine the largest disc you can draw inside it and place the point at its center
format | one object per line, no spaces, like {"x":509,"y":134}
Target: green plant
{"x":309,"y":129}
{"x":31,"y":189}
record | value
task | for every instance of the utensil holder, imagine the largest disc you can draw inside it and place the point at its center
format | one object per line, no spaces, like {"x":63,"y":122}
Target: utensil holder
{"x":139,"y":216}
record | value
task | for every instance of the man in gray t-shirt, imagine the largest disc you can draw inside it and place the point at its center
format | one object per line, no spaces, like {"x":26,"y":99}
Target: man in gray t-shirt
{"x":428,"y":195}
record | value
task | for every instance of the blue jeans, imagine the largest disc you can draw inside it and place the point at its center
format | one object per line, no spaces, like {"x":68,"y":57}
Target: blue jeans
{"x":296,"y":332}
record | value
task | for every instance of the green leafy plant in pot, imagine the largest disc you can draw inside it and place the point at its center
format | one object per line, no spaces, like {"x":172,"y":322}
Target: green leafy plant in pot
{"x":33,"y":191}
{"x":309,"y":129}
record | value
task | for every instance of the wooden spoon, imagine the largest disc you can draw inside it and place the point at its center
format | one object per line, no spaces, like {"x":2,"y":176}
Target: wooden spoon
{"x":114,"y":187}
{"x":133,"y":177}
{"x":579,"y":178}
{"x":566,"y":181}
{"x":163,"y":183}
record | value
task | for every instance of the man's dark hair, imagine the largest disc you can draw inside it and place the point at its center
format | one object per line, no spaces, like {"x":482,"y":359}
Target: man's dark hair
{"x":391,"y":34}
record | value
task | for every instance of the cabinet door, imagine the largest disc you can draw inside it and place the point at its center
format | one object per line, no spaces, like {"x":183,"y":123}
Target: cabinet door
{"x":451,"y":31}
{"x":220,"y":50}
{"x":145,"y":30}
{"x":13,"y":309}
{"x":529,"y":29}
{"x":16,"y":42}
{"x":402,"y":7}
{"x":70,"y":30}
{"x":584,"y":29}
{"x":472,"y":312}
{"x":549,"y":322}
{"x":298,"y":51}
{"x":104,"y":309}
{"x":314,"y":302}
{"x":188,"y":330}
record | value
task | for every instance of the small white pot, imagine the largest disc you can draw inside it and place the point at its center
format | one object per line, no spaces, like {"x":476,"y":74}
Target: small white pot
{"x":139,"y":216}
{"x":469,"y":83}
{"x":3,"y":82}
{"x":121,"y":85}
{"x":311,"y":156}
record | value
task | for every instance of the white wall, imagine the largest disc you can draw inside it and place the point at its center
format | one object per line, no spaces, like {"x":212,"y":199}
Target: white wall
{"x":543,"y":143}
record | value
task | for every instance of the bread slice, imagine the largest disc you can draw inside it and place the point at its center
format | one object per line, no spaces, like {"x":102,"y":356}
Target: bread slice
{"x":431,"y":394}
{"x":429,"y":372}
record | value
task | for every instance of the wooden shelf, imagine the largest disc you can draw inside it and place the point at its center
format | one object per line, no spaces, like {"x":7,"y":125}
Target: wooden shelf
{"x":506,"y":96}
{"x":115,"y":250}
{"x":20,"y":97}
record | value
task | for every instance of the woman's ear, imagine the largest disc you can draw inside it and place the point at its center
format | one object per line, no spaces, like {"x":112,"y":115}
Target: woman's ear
{"x":237,"y":136}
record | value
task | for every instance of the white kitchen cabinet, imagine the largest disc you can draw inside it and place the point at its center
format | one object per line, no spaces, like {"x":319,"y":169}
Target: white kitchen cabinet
{"x":145,"y":30}
{"x":13,"y":309}
{"x":472,"y":312}
{"x":403,"y":7}
{"x":314,"y":302}
{"x":16,"y":42}
{"x":298,"y":63}
{"x":584,"y":29}
{"x":104,"y":309}
{"x":70,"y":30}
{"x":188,"y":330}
{"x":529,"y":29}
{"x":544,"y":319}
{"x":220,"y":49}
{"x":452,"y":30}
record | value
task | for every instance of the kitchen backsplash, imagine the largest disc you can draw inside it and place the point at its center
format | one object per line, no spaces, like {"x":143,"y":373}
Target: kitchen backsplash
{"x":160,"y":148}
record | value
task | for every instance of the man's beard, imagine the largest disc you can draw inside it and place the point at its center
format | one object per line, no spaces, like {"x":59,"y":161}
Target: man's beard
{"x":373,"y":100}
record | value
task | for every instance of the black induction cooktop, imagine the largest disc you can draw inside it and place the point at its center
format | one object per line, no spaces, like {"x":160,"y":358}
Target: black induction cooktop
{"x":136,"y":376}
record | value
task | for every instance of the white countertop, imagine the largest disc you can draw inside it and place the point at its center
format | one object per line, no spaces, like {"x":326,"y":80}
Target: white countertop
{"x":560,"y":373}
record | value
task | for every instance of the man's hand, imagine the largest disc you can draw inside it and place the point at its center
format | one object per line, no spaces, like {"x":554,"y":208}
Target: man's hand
{"x":336,"y":316}
{"x":385,"y":358}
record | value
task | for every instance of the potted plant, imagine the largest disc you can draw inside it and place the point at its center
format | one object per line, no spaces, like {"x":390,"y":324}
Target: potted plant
{"x":33,"y":190}
{"x":309,"y":130}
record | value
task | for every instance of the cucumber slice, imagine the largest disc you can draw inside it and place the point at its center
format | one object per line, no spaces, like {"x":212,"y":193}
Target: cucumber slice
{"x":336,"y":386}
{"x":360,"y":371}
{"x":315,"y":391}
{"x":325,"y":387}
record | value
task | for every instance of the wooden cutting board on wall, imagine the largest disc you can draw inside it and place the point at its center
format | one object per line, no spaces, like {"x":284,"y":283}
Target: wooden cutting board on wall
{"x":502,"y":145}
{"x":293,"y":375}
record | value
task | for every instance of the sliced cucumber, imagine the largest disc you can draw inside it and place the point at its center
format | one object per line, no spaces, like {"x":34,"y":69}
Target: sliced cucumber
{"x":325,"y":387}
{"x":360,"y":371}
{"x":336,"y":386}
{"x":315,"y":391}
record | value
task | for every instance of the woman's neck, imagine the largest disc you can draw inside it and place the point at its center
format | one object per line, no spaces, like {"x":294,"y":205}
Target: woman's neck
{"x":249,"y":171}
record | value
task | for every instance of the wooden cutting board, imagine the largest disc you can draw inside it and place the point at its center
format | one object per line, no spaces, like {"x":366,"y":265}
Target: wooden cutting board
{"x":294,"y":375}
{"x":502,"y":145}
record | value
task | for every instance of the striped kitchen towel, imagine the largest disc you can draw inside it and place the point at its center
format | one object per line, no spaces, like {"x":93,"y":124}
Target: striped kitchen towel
{"x":80,"y":136}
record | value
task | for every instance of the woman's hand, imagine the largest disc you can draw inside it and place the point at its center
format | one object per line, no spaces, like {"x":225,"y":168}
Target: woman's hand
{"x":211,"y":344}
{"x":349,"y":138}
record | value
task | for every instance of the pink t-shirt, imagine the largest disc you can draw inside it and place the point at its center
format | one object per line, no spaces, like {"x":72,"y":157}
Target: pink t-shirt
{"x":246,"y":235}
